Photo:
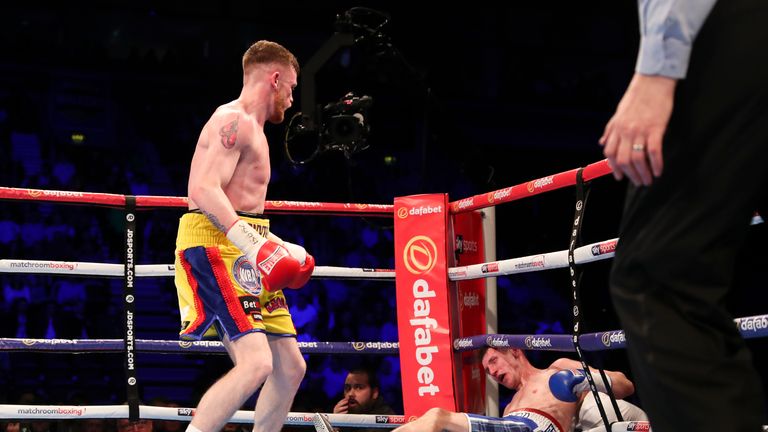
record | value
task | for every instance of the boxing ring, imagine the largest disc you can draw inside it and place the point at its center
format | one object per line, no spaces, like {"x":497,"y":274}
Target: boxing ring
{"x":417,"y":256}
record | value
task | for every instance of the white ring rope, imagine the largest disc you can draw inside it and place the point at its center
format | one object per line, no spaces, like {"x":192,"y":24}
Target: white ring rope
{"x":180,"y":346}
{"x":75,"y":412}
{"x":559,"y":259}
{"x":551,"y":260}
{"x":150,"y":270}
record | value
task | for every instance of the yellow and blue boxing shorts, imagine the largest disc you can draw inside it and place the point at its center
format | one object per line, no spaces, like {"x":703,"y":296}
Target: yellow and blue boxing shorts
{"x":220,"y":293}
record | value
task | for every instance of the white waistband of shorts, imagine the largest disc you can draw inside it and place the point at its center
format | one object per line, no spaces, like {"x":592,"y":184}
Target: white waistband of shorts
{"x":542,"y":419}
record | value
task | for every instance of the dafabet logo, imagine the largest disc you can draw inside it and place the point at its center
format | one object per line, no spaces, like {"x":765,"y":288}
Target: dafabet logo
{"x":420,"y":254}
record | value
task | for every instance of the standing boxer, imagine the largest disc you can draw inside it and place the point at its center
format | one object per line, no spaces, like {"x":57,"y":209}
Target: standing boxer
{"x":230,"y":269}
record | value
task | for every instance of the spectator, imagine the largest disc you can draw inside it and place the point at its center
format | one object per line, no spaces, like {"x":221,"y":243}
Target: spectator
{"x":361,"y":396}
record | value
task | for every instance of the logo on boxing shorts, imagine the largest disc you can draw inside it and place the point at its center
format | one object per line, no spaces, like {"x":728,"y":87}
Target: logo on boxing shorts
{"x":420,"y":255}
{"x":276,"y":303}
{"x":246,"y":276}
{"x":251,"y":306}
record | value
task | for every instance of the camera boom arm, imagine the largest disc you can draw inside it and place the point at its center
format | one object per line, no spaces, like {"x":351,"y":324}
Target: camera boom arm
{"x":309,"y":108}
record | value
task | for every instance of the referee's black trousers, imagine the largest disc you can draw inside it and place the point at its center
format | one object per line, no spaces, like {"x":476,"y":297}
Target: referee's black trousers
{"x":680,"y":237}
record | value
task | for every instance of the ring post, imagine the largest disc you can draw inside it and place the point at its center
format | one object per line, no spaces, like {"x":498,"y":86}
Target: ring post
{"x":491,"y":307}
{"x":423,"y":311}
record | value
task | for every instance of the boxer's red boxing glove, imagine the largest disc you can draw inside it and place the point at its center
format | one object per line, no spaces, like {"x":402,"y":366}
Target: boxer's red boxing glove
{"x":306,"y":261}
{"x":276,"y":265}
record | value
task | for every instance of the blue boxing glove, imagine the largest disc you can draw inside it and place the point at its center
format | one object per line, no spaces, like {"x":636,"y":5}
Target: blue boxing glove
{"x":567,"y":385}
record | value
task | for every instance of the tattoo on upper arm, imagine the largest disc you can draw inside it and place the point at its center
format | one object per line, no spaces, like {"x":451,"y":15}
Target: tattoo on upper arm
{"x":228,"y":134}
{"x":215,"y":221}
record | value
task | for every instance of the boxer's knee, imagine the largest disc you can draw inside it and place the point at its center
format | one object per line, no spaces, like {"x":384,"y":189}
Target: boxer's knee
{"x":254,"y":371}
{"x":294,"y":372}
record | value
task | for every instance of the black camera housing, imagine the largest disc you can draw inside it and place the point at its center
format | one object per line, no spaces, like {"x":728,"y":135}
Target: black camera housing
{"x":344,"y":124}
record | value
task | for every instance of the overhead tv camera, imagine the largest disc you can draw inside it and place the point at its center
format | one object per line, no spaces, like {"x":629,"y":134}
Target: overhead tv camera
{"x":341,"y":125}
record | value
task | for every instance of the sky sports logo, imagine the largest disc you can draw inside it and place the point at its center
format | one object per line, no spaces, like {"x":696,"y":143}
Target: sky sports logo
{"x":490,"y":267}
{"x":604,"y":248}
{"x":390,"y":419}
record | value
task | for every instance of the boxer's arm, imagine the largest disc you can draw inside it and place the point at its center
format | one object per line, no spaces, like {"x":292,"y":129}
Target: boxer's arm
{"x":214,"y":168}
{"x":620,"y":385}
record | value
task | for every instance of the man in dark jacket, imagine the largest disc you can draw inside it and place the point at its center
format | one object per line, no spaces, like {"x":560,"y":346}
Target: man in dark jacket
{"x":361,"y":396}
